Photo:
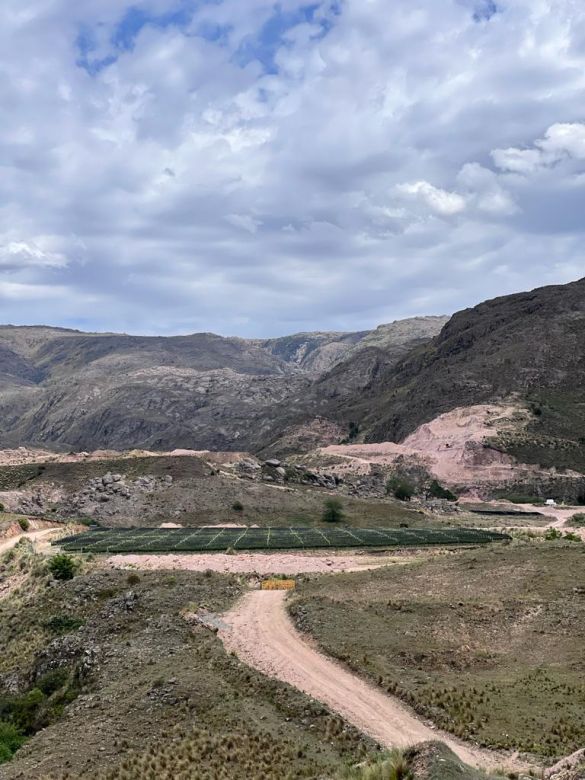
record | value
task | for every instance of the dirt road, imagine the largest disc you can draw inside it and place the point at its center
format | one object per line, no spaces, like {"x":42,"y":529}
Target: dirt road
{"x":12,"y":541}
{"x":262,"y":635}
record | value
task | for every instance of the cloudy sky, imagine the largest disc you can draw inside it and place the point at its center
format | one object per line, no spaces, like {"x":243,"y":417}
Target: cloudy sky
{"x":258,"y":168}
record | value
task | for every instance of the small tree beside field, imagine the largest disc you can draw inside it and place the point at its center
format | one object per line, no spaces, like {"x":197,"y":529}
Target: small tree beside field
{"x":333,"y":511}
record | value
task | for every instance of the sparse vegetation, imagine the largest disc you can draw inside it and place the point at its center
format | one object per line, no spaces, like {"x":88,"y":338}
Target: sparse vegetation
{"x":24,"y":523}
{"x":158,"y":675}
{"x":500,"y":666}
{"x":63,"y":624}
{"x":387,"y":766}
{"x":576,"y":521}
{"x":436,"y":490}
{"x":11,"y":738}
{"x":63,"y":566}
{"x":237,"y":506}
{"x":333,"y":511}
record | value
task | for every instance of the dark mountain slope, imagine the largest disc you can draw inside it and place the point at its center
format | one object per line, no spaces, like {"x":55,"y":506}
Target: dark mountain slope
{"x":531,"y":345}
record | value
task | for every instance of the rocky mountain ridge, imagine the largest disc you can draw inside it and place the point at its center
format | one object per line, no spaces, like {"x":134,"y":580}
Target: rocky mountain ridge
{"x":73,"y":390}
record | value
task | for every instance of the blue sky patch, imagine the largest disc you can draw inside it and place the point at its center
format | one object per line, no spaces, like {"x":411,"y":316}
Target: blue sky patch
{"x":485,"y":10}
{"x":264,"y":46}
{"x":123,"y":38}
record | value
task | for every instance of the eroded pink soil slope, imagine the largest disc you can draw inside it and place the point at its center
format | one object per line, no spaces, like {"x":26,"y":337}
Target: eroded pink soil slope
{"x":451,"y":447}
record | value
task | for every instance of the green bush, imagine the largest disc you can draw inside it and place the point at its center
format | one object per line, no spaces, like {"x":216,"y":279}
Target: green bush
{"x":400,"y":488}
{"x":576,"y":521}
{"x":552,"y":534}
{"x":63,"y":566}
{"x":572,"y":537}
{"x":63,"y":624}
{"x":23,"y":523}
{"x":52,"y":681}
{"x":237,"y":506}
{"x":436,"y":490}
{"x":24,"y":710}
{"x":133,"y":579}
{"x":11,"y":738}
{"x":333,"y":511}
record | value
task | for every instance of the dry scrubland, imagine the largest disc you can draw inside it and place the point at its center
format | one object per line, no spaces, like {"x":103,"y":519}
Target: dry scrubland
{"x":109,"y":681}
{"x":197,"y":495}
{"x":142,"y":694}
{"x":488,"y":643}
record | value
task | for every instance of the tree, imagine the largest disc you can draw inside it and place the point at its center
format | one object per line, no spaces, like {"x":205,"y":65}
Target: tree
{"x":436,"y":490}
{"x":63,"y":566}
{"x":402,"y":489}
{"x":333,"y":511}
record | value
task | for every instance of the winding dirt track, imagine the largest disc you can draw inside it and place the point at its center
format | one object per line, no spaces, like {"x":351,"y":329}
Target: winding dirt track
{"x":12,"y":541}
{"x":260,"y":632}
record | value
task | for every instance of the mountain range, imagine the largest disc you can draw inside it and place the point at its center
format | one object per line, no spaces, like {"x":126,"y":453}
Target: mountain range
{"x":71,"y":390}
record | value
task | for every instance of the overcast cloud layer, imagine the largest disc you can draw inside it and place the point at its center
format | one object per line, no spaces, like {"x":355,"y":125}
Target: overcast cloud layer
{"x":259,"y":168}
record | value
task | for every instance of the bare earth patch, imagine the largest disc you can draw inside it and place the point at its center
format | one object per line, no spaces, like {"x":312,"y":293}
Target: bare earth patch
{"x":451,"y":446}
{"x":257,"y":563}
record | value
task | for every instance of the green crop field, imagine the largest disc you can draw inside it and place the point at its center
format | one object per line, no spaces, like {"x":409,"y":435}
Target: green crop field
{"x":143,"y":540}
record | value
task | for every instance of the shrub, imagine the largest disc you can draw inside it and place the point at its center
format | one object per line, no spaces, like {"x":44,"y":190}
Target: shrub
{"x":237,"y":506}
{"x":53,"y":681}
{"x":25,"y":709}
{"x":63,"y":566}
{"x":552,"y":534}
{"x":436,"y":490}
{"x":389,"y":766}
{"x":133,"y":579}
{"x":63,"y":624}
{"x":11,"y":738}
{"x":333,"y":511}
{"x":572,"y":537}
{"x":2,"y":508}
{"x":23,"y":523}
{"x":576,"y":521}
{"x":401,"y":489}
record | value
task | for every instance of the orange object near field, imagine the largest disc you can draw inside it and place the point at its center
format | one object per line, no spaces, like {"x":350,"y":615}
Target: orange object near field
{"x":278,"y":584}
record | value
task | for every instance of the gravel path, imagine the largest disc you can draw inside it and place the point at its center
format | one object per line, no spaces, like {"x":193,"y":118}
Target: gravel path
{"x":262,"y":635}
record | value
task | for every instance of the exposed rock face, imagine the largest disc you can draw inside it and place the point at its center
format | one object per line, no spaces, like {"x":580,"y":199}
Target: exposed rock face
{"x":85,"y":391}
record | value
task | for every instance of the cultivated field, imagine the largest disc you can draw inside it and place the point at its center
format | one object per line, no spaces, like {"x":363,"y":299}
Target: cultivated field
{"x":135,"y":540}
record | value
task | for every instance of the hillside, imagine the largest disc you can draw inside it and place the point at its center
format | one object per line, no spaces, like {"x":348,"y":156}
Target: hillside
{"x":530,"y":346}
{"x":73,"y":390}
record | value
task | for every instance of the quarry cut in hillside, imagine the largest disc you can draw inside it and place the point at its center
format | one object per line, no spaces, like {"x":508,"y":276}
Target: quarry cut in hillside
{"x":456,"y":448}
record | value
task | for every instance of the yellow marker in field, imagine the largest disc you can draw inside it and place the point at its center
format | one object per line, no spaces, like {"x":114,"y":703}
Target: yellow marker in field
{"x":278,"y":584}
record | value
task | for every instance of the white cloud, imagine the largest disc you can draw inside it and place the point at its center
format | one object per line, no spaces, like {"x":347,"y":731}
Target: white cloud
{"x":567,"y":138}
{"x":441,"y":202}
{"x":22,"y":254}
{"x":561,"y":140}
{"x":287,"y":179}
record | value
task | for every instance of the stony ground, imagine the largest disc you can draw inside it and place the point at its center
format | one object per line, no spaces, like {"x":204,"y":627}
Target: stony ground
{"x":146,"y":679}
